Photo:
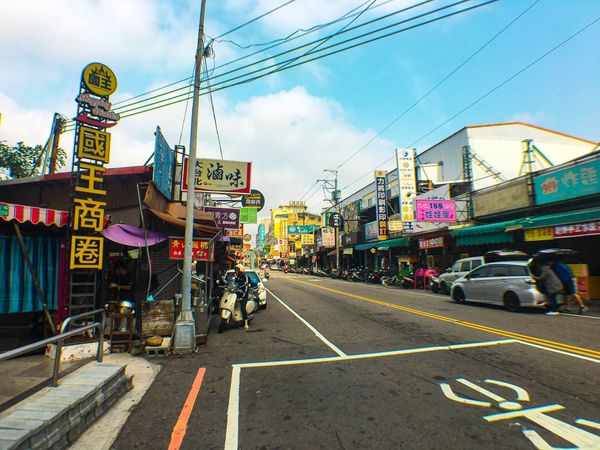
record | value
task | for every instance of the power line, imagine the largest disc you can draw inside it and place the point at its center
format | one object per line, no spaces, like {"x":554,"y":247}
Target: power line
{"x":255,"y":19}
{"x":123,"y":108}
{"x":212,"y":107}
{"x":488,"y":93}
{"x":160,"y":104}
{"x":456,"y":69}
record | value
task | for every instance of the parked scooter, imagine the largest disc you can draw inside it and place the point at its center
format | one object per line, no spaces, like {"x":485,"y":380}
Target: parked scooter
{"x":435,"y":284}
{"x":230,"y":308}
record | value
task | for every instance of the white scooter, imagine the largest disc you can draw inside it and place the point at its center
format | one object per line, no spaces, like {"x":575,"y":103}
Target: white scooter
{"x":230,"y":308}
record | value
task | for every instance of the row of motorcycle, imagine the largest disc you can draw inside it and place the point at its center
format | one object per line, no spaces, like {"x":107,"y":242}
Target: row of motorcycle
{"x":422,"y":278}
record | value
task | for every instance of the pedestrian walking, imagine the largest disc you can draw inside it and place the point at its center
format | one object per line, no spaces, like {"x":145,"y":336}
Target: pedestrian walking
{"x":548,"y":284}
{"x":566,"y":277}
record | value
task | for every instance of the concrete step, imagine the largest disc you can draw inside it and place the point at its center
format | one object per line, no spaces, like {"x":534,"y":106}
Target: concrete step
{"x":55,"y":417}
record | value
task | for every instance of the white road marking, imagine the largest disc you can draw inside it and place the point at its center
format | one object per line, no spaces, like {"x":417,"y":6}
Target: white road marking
{"x":233,"y":411}
{"x":586,"y":358}
{"x":481,"y":390}
{"x":309,"y":326}
{"x":408,"y":351}
{"x":522,"y":394}
{"x":582,"y":316}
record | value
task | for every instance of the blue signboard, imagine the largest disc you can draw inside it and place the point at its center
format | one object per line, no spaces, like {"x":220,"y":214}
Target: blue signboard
{"x":575,"y":181}
{"x":301,"y":229}
{"x":381,"y":204}
{"x":164,"y":165}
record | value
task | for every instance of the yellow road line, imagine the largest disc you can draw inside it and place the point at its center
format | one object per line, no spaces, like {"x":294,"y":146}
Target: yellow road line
{"x":523,"y":337}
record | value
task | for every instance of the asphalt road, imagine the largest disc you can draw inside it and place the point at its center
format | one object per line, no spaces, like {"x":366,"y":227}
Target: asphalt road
{"x":338,"y":365}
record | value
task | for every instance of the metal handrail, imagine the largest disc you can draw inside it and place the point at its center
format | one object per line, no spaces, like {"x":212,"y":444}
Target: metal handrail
{"x":60,"y":338}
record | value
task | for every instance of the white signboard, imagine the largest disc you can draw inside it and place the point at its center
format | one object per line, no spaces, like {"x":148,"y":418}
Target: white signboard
{"x":407,"y":182}
{"x":328,"y":237}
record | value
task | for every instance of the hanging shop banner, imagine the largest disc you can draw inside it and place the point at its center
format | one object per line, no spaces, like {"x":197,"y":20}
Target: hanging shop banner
{"x":163,"y":174}
{"x":576,"y":181}
{"x":239,"y":233}
{"x":90,"y":154}
{"x":435,"y":210}
{"x":381,"y":205}
{"x":298,"y":245}
{"x":405,"y":159}
{"x":219,"y":176}
{"x":254,"y":200}
{"x":307,"y":239}
{"x":302,"y":229}
{"x":437,"y":242}
{"x":394,"y":226}
{"x":371,"y":231}
{"x":336,"y":221}
{"x":505,"y":197}
{"x":539,"y":234}
{"x":200,"y":249}
{"x":577,"y":229}
{"x":228,"y":218}
{"x":328,"y":237}
{"x":248,"y":215}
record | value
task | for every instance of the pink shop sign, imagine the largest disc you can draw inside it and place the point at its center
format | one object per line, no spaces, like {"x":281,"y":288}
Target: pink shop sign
{"x":435,"y":210}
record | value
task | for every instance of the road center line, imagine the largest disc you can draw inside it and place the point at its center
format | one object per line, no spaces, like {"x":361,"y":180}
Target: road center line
{"x":595,"y":354}
{"x":309,"y":326}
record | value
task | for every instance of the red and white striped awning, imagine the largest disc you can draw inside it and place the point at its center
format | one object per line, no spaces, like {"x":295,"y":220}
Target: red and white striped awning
{"x":33,"y":214}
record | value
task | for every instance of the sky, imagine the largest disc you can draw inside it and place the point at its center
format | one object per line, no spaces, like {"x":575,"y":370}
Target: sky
{"x":344,"y":112}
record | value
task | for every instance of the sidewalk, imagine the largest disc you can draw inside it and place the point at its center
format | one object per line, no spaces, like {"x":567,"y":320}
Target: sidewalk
{"x":22,"y":377}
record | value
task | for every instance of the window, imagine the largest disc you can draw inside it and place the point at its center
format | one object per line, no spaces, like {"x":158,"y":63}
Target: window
{"x":480,"y":273}
{"x":476,"y":263}
{"x":518,"y":271}
{"x":498,"y":271}
{"x":465,"y":266}
{"x":456,"y":267}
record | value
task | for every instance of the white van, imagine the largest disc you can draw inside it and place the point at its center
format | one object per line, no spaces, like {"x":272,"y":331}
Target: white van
{"x":457,"y":270}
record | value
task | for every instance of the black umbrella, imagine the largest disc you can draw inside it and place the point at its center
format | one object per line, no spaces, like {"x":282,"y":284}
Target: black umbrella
{"x":552,"y":254}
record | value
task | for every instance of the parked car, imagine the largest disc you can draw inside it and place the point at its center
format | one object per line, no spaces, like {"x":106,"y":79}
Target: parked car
{"x":460,"y":268}
{"x":465,"y":265}
{"x":256,"y":281}
{"x":507,"y":283}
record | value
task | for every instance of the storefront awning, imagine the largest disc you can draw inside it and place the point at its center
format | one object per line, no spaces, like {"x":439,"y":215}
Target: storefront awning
{"x":490,"y":228}
{"x":491,"y":233}
{"x":565,"y":218}
{"x":392,"y":243}
{"x":366,"y":246}
{"x":181,"y":223}
{"x":33,"y":214}
{"x":132,"y":236}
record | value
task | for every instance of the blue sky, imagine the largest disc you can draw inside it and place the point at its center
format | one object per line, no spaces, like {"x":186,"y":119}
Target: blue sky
{"x":294,"y":124}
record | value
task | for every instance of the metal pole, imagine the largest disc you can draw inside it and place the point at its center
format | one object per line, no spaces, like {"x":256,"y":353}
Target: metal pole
{"x":185,"y":335}
{"x":337,"y":233}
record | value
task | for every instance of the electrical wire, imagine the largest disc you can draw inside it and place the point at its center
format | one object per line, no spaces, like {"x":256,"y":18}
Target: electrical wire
{"x":178,"y":98}
{"x":212,"y":107}
{"x":439,"y":83}
{"x":123,"y":109}
{"x":299,"y":30}
{"x":487,"y":94}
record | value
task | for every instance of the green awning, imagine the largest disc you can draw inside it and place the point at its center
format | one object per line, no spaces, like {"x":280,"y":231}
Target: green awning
{"x":550,"y":220}
{"x":391,"y":243}
{"x":483,"y":239}
{"x":490,"y":228}
{"x":366,"y":246}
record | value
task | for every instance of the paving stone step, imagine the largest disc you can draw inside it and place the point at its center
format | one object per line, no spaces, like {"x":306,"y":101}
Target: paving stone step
{"x":58,"y":416}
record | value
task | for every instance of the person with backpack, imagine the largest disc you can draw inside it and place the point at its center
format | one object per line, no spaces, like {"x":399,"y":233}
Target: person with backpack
{"x":566,"y":277}
{"x":548,"y":283}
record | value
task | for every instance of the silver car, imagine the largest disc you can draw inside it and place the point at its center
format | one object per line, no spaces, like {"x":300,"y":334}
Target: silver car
{"x":507,"y":283}
{"x":458,"y":269}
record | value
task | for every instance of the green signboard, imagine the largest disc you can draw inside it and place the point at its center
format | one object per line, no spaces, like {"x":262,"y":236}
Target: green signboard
{"x":248,"y":215}
{"x":301,"y":229}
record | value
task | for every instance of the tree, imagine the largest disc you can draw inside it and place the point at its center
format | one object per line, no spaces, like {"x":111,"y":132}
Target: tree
{"x":23,"y":161}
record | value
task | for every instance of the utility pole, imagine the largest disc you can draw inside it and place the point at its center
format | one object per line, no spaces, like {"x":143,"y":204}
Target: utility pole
{"x":332,"y":185}
{"x":185,"y":328}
